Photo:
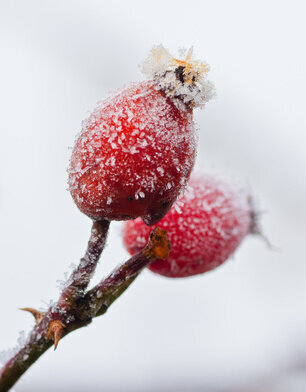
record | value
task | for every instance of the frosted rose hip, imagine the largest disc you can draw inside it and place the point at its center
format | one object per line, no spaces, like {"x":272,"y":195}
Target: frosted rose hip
{"x":136,"y":150}
{"x":133,"y":156}
{"x":204,"y":227}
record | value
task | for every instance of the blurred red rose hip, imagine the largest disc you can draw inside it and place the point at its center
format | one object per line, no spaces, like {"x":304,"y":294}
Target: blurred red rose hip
{"x":136,"y":150}
{"x":205,"y":227}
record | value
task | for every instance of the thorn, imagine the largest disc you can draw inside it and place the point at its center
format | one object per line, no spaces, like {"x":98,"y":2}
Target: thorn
{"x":37,"y":315}
{"x":55,"y":331}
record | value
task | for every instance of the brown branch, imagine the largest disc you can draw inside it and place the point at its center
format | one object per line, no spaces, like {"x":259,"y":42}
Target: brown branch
{"x":79,"y":312}
{"x":98,"y":299}
{"x":80,"y":277}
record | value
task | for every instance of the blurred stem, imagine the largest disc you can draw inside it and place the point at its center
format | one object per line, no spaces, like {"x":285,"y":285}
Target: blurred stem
{"x":74,"y":309}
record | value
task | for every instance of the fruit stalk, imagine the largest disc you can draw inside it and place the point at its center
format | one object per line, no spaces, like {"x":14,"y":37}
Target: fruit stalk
{"x":76,"y":315}
{"x":97,"y":300}
{"x":81,"y":276}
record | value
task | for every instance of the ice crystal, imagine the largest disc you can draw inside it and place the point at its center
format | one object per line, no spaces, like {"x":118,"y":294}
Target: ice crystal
{"x":6,"y":355}
{"x":183,"y":81}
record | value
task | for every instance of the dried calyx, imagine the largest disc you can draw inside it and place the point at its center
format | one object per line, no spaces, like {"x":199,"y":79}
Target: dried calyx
{"x":158,"y":246}
{"x":183,"y":81}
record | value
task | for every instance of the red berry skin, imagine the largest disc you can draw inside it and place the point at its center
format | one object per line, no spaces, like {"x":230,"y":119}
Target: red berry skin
{"x":205,"y":227}
{"x":133,"y":156}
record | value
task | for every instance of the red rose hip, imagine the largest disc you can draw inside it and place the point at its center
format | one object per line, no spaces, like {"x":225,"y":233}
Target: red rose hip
{"x":205,"y":227}
{"x":136,"y":150}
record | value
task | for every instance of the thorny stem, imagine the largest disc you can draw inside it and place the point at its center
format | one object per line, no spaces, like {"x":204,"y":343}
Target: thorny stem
{"x":76,"y":309}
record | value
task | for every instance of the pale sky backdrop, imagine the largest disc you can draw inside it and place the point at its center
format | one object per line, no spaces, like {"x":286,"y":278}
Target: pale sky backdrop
{"x":240,"y":328}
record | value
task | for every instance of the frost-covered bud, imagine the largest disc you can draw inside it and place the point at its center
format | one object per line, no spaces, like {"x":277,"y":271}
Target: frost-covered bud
{"x":136,"y":150}
{"x":205,"y":227}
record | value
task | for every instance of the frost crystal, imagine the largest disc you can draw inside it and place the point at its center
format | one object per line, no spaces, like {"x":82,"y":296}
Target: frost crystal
{"x":8,"y":354}
{"x":184,"y":81}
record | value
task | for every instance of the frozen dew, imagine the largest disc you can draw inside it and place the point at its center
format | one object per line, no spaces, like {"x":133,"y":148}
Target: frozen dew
{"x":60,"y":284}
{"x":160,"y":170}
{"x":133,"y":150}
{"x":21,"y":338}
{"x":177,"y":208}
{"x":6,"y":355}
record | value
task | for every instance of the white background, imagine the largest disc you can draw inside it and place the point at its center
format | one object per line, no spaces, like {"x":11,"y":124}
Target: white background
{"x":239,"y":328}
